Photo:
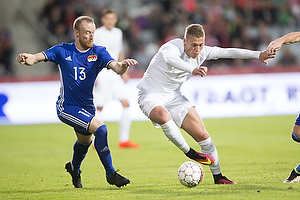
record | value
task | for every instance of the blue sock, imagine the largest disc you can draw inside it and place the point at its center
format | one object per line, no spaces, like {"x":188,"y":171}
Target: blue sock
{"x":102,"y":149}
{"x":295,"y":137}
{"x":79,"y":153}
{"x":298,"y":168}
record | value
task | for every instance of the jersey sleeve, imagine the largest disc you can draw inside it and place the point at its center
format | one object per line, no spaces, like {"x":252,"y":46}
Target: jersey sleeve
{"x":218,"y":52}
{"x":52,"y":53}
{"x":105,"y":58}
{"x":171,"y":55}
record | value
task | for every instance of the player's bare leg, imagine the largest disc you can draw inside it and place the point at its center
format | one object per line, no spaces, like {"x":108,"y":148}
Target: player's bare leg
{"x":161,"y":116}
{"x":194,"y":126}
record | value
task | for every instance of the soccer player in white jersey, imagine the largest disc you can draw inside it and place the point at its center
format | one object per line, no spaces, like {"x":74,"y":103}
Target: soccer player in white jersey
{"x":162,"y":102}
{"x":110,"y":85}
{"x":79,"y":63}
{"x":274,"y":46}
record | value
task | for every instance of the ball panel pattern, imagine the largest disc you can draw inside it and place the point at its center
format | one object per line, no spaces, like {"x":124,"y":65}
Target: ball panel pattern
{"x":190,"y":174}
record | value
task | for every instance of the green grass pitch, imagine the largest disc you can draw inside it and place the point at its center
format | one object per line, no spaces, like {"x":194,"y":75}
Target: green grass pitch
{"x":258,"y":153}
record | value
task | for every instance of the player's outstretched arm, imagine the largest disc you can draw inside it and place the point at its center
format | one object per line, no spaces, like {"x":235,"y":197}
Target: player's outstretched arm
{"x":30,"y":59}
{"x":121,"y":67}
{"x":289,"y":38}
{"x":264,"y":55}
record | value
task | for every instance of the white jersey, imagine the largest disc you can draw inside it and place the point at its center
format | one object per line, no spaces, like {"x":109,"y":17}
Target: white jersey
{"x":170,"y":67}
{"x":109,"y":84}
{"x":113,"y":41}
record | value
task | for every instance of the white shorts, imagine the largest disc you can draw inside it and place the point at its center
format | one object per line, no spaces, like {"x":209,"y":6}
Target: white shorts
{"x":177,"y":105}
{"x":109,"y":87}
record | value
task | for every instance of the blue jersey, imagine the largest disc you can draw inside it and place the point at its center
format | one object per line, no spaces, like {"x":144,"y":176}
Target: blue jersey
{"x":78,"y":72}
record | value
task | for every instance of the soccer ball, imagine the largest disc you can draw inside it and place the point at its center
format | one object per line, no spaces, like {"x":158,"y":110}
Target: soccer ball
{"x":190,"y":174}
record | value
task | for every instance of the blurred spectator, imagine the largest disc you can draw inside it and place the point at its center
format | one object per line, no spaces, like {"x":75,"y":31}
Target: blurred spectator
{"x":6,"y":50}
{"x":143,"y":57}
{"x":145,"y":24}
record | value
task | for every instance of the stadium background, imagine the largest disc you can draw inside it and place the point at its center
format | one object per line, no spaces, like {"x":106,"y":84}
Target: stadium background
{"x":32,"y":26}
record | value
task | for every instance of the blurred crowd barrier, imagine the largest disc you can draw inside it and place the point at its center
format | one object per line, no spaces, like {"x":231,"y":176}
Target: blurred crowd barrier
{"x":216,"y":96}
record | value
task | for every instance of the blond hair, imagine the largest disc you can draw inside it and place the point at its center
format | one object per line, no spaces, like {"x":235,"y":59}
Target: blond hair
{"x":79,"y":20}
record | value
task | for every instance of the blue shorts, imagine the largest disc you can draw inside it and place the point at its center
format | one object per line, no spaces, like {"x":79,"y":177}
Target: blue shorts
{"x":297,"y":122}
{"x":77,"y":117}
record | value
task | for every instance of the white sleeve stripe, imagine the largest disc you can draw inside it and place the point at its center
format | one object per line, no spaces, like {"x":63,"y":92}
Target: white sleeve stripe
{"x":46,"y":58}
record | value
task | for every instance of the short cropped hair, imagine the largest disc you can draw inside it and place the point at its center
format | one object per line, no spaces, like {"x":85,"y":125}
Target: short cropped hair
{"x":79,"y":20}
{"x":195,"y":30}
{"x":108,"y":11}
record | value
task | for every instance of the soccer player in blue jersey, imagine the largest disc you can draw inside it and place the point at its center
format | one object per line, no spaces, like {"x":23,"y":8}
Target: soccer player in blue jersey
{"x":79,"y":64}
{"x":274,"y":46}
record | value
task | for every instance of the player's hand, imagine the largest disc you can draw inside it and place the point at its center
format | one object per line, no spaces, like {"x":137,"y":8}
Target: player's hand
{"x":22,"y":57}
{"x":201,"y":71}
{"x":129,"y":62}
{"x":30,"y":59}
{"x":275,"y":45}
{"x":121,"y":67}
{"x":264,"y":55}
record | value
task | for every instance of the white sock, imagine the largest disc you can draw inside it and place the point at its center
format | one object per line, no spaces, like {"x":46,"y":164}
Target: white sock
{"x":173,"y":133}
{"x":208,"y":147}
{"x":124,"y":125}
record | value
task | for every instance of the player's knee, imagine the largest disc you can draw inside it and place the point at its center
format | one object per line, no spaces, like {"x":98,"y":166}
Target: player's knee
{"x":102,"y":130}
{"x":160,"y":115}
{"x":295,"y":137}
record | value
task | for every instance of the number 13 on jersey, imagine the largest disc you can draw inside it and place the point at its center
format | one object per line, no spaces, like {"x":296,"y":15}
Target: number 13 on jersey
{"x":79,"y":73}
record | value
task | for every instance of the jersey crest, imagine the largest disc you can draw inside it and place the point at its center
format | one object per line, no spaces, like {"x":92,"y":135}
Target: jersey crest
{"x":92,"y":57}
